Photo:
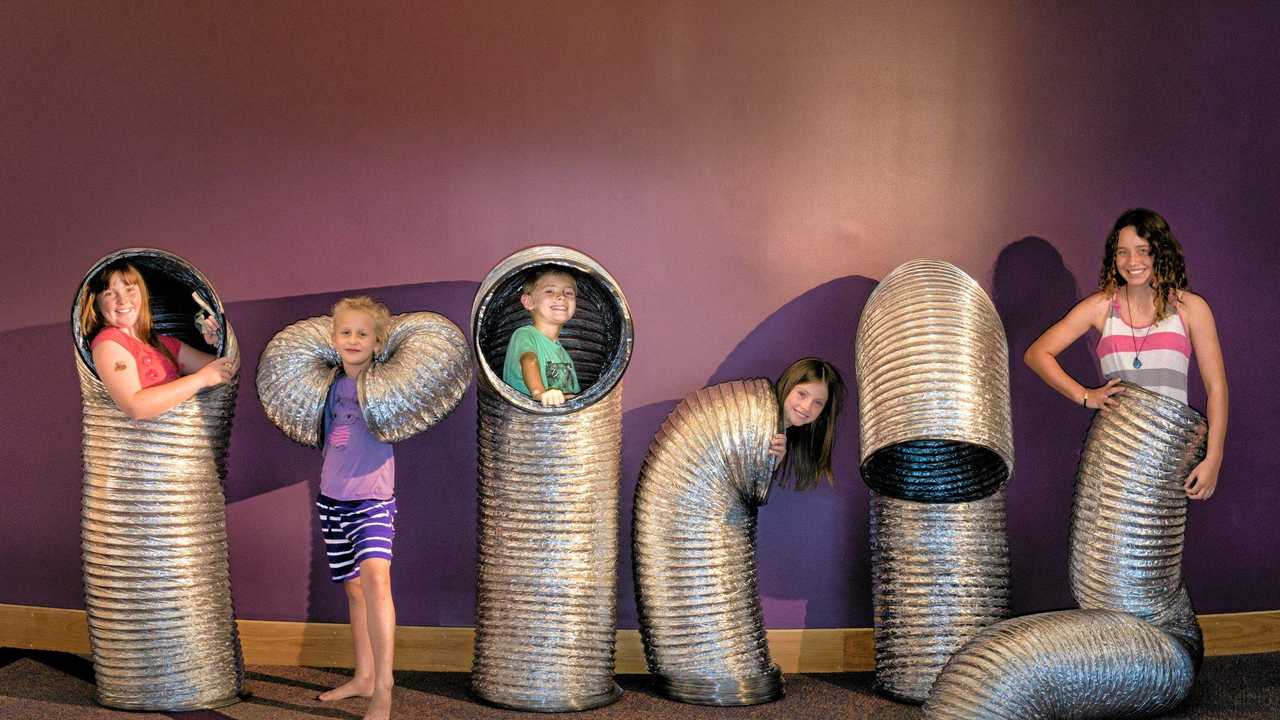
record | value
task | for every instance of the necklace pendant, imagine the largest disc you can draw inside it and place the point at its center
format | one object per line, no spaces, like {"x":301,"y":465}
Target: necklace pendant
{"x":1136,"y":363}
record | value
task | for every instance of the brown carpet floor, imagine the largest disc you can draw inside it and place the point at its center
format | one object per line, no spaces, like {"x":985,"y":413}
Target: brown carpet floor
{"x":56,"y":686}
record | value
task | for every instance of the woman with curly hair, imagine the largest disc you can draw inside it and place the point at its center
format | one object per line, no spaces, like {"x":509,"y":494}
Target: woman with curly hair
{"x":1150,"y":324}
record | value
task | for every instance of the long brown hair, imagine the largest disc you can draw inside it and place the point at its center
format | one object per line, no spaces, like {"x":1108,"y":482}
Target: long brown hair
{"x":91,"y":323}
{"x":809,"y":447}
{"x":1168,"y":267}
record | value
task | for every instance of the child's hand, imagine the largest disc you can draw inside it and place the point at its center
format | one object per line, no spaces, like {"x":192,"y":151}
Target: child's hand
{"x":1099,"y":398}
{"x":1203,"y":480}
{"x":778,"y":446}
{"x":551,"y":398}
{"x":216,"y":372}
{"x":208,"y":327}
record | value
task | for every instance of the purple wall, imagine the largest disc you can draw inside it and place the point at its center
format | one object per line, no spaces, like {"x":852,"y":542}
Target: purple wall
{"x":747,"y":173}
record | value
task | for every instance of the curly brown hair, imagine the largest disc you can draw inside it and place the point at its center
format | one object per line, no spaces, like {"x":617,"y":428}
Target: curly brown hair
{"x":1168,"y":267}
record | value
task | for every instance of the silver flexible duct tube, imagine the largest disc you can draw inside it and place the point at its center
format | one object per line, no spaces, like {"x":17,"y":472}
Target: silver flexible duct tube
{"x":937,"y":449}
{"x":153,"y":520}
{"x":546,"y":586}
{"x":417,"y":378}
{"x":1134,"y":650}
{"x":694,"y":540}
{"x":939,"y":574}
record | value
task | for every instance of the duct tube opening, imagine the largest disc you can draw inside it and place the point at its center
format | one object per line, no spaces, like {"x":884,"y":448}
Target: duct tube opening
{"x":599,"y":337}
{"x":935,"y":470}
{"x":170,"y":283}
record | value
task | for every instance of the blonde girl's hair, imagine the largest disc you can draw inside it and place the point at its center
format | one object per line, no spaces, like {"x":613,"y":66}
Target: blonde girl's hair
{"x":91,"y":323}
{"x":374,"y":309}
{"x":1168,"y":267}
{"x":809,"y":447}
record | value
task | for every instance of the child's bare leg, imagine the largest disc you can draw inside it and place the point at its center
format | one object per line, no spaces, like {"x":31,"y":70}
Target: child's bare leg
{"x":376,"y":575}
{"x":361,"y":683}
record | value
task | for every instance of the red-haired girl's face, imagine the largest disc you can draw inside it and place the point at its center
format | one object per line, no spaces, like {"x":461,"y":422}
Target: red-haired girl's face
{"x":804,"y":403}
{"x":119,"y":303}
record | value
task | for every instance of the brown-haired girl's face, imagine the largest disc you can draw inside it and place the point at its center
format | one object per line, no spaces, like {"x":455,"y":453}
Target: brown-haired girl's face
{"x":119,"y":303}
{"x":804,"y":403}
{"x":1133,"y":257}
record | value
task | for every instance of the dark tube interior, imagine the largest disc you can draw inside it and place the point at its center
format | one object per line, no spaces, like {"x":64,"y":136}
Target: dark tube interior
{"x":935,"y":471}
{"x":170,"y":282}
{"x":593,"y":338}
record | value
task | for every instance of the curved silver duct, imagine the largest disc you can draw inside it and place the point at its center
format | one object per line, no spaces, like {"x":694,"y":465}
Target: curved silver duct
{"x":933,"y":387}
{"x":417,"y":378}
{"x":1134,"y":650}
{"x":937,"y":448}
{"x":694,"y":542}
{"x":546,"y":581}
{"x":153,"y":521}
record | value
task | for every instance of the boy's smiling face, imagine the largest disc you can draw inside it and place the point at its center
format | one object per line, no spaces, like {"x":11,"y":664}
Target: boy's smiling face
{"x":552,"y":301}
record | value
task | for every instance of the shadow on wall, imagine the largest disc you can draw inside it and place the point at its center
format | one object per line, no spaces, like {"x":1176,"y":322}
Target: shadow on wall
{"x":1033,"y":289}
{"x":812,"y":546}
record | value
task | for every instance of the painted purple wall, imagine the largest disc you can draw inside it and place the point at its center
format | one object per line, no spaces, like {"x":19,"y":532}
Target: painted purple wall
{"x":746,"y":172}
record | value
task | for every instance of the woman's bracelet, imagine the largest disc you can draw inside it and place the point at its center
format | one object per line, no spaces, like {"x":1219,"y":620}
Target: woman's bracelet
{"x":1084,"y":399}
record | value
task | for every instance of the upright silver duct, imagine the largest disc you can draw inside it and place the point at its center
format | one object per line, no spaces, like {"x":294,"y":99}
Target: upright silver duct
{"x":546,"y":597}
{"x":1135,"y":648}
{"x":937,"y":449}
{"x":153,"y":521}
{"x":694,"y":546}
{"x":417,"y":378}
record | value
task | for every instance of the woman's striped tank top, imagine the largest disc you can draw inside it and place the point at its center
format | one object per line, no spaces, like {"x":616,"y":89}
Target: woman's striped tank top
{"x":1163,"y":351}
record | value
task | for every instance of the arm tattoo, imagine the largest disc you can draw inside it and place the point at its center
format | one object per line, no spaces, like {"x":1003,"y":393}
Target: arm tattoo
{"x":121,"y":366}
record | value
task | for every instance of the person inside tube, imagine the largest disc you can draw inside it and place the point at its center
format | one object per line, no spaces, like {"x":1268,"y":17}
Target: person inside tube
{"x":536,"y":364}
{"x":146,"y":373}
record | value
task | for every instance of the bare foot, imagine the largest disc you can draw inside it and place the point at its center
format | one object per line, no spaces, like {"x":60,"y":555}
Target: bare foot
{"x":380,"y":705}
{"x":352,"y":688}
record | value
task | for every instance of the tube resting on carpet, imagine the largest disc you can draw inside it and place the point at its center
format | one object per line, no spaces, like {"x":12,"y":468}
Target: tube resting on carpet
{"x":937,"y":450}
{"x":153,"y":519}
{"x":546,"y":600}
{"x":706,"y":473}
{"x":1135,"y":647}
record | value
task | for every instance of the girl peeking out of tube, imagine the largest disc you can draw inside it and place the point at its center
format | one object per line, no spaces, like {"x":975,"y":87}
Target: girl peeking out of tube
{"x":1149,"y":325}
{"x":810,"y":395}
{"x":536,"y":364}
{"x":146,"y":374}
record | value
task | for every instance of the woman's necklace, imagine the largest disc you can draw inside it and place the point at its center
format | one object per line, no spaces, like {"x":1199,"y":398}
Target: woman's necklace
{"x":1137,"y":362}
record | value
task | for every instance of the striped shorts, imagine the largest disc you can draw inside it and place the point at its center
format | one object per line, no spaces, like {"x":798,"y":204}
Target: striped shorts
{"x":355,"y":530}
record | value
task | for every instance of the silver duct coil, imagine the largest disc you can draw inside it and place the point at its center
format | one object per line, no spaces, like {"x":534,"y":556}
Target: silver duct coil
{"x":937,"y":449}
{"x":939,"y":574}
{"x":546,"y":585}
{"x":153,"y":520}
{"x":1134,"y":650}
{"x":694,"y":541}
{"x":933,"y":385}
{"x":417,"y":378}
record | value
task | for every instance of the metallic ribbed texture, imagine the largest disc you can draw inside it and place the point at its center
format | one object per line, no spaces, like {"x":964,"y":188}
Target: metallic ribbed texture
{"x":153,"y":522}
{"x":1126,"y":558}
{"x":1130,"y":512}
{"x":694,"y":543}
{"x":418,"y":377}
{"x":937,"y":448}
{"x":933,"y":387}
{"x":546,"y":599}
{"x":939,"y":574}
{"x":1068,"y":664}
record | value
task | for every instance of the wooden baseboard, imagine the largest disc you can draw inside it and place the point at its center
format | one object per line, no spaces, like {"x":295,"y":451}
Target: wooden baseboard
{"x":447,"y":649}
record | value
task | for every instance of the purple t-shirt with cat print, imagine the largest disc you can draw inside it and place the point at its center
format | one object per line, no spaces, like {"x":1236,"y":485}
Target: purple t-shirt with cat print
{"x":356,"y":465}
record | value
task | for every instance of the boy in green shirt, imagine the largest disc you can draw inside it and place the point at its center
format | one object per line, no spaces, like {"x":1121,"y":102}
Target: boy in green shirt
{"x":536,"y":364}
